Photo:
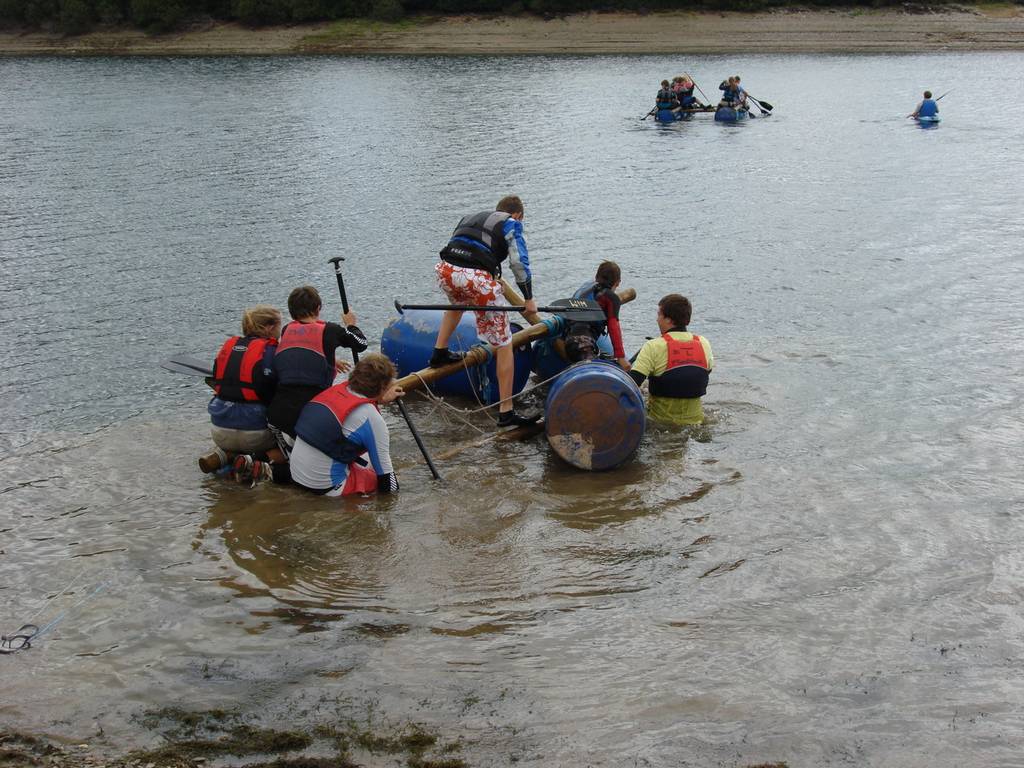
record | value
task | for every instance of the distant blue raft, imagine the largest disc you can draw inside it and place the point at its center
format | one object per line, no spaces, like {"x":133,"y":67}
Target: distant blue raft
{"x":594,"y":416}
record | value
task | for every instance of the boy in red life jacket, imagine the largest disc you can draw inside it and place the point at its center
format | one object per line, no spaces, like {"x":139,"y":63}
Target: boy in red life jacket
{"x":305,"y":363}
{"x":244,"y":383}
{"x":678,"y":363}
{"x":342,"y":444}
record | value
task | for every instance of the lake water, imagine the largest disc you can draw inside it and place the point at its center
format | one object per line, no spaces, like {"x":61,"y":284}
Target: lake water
{"x":834,"y":577}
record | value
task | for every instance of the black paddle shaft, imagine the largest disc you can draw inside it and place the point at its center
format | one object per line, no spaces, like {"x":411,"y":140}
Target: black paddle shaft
{"x":336,"y":261}
{"x":581,"y":307}
{"x":418,"y":439}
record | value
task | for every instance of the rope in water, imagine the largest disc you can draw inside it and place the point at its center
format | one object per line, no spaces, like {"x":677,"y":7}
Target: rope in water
{"x":464,"y":413}
{"x":22,"y":638}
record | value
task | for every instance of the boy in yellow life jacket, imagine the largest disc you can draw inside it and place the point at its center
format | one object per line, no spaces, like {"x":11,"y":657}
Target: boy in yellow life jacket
{"x":678,"y":364}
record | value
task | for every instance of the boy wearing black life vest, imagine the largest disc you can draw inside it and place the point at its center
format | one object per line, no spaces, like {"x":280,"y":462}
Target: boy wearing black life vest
{"x":468,"y":273}
{"x":678,"y":364}
{"x":305,"y":363}
{"x":244,"y":383}
{"x":581,"y":337}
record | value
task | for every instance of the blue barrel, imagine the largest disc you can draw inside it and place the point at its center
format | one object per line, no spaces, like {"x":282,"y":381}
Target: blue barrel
{"x":547,"y":362}
{"x":408,"y":340}
{"x":594,"y":417}
{"x":731,"y":115}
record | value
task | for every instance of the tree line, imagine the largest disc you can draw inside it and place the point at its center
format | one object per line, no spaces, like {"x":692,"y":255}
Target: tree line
{"x":78,"y":16}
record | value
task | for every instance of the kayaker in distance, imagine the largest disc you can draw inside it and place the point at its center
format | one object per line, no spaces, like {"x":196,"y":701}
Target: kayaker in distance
{"x":244,"y":384}
{"x":581,"y":338}
{"x":678,"y":363}
{"x":468,"y":273}
{"x":927,"y":108}
{"x":305,"y":363}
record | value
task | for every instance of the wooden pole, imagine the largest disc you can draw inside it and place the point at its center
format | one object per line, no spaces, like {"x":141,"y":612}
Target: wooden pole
{"x":475,"y":356}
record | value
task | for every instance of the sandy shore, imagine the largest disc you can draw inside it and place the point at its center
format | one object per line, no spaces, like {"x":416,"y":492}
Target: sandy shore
{"x":985,"y":27}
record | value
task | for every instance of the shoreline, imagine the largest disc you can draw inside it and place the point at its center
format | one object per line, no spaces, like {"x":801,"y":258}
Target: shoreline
{"x":995,"y":27}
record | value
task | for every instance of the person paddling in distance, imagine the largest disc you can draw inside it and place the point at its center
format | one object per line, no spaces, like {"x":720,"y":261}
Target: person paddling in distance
{"x":305,"y":363}
{"x":666,"y":97}
{"x":678,"y":364}
{"x":244,"y":383}
{"x":927,"y":108}
{"x":732,"y":94}
{"x":468,"y":273}
{"x":342,"y":443}
{"x":581,"y":338}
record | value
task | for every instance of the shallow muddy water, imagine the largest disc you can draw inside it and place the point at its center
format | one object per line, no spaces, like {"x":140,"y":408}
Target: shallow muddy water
{"x":830,"y":575}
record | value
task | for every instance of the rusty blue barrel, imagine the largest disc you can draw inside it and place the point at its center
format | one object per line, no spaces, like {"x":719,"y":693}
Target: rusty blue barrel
{"x":408,"y":340}
{"x":594,"y":417}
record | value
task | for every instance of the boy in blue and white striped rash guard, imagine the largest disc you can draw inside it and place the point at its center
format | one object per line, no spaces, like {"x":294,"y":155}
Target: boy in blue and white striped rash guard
{"x":342,"y":444}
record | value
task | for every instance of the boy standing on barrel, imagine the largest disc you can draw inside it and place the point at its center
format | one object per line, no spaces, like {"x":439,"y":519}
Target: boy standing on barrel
{"x":468,"y":273}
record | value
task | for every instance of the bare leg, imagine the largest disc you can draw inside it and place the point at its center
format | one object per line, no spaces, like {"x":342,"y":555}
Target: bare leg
{"x":449,"y":323}
{"x":505,"y":363}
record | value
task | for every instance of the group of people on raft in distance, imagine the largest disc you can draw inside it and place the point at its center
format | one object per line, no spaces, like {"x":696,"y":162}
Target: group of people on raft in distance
{"x":677,"y":96}
{"x":277,"y":414}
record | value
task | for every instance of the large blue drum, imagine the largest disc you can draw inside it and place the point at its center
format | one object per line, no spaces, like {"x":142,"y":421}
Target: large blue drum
{"x":408,"y":341}
{"x":594,"y":417}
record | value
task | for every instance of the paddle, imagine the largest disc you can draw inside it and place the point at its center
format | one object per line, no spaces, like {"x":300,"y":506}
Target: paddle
{"x":579,"y":305}
{"x":761,"y":103}
{"x":190,"y":366}
{"x":336,"y":261}
{"x":700,"y":90}
{"x":649,"y":113}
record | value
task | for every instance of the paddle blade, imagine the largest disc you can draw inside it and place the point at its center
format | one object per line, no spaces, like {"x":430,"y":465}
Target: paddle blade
{"x":190,"y":366}
{"x":765,"y":105}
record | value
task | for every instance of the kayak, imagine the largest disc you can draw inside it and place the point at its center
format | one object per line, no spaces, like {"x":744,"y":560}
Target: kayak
{"x":931,"y":120}
{"x":731,"y":114}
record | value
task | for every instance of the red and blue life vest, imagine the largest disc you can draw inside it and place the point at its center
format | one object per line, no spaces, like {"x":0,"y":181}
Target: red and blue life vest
{"x":687,"y":372}
{"x":320,"y":422}
{"x":236,"y":372}
{"x":300,"y":355}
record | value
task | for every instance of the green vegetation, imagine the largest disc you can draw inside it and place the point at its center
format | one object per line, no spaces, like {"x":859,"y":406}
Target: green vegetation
{"x":75,"y":17}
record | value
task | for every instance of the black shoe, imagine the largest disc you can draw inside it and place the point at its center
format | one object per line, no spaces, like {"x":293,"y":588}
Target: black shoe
{"x":443,"y":357}
{"x":513,"y":419}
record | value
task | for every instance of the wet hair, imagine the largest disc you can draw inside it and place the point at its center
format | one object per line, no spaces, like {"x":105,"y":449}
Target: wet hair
{"x":927,"y":94}
{"x":677,"y":309}
{"x":510,"y":204}
{"x":608,"y":273}
{"x":664,"y":83}
{"x":372,"y":375}
{"x":260,"y":321}
{"x":736,"y":78}
{"x":304,"y":301}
